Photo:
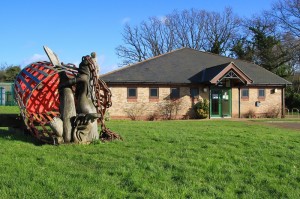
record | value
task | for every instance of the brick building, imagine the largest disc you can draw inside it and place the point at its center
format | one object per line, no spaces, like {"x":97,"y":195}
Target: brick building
{"x":233,"y":87}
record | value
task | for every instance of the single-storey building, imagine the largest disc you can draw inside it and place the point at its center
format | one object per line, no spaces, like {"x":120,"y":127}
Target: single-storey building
{"x":233,"y":88}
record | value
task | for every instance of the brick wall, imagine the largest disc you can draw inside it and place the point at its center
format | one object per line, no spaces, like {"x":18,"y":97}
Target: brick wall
{"x":147,"y":106}
{"x":271,"y":102}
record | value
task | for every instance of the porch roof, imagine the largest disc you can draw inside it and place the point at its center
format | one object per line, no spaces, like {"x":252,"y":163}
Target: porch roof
{"x":215,"y":74}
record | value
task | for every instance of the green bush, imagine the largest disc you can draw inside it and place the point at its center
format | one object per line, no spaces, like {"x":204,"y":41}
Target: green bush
{"x":202,"y":109}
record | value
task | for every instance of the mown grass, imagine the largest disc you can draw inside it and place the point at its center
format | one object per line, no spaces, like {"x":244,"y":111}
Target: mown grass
{"x":9,"y":109}
{"x":163,"y":159}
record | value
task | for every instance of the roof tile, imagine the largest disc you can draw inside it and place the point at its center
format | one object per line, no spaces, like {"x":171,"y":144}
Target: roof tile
{"x":187,"y":65}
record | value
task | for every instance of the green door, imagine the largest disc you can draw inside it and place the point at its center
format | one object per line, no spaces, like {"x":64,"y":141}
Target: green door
{"x":220,"y":102}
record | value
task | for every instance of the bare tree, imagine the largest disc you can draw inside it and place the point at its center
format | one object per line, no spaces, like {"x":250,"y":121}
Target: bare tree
{"x":157,"y":37}
{"x":188,"y":28}
{"x":293,"y":46}
{"x":221,"y":30}
{"x":133,"y":49}
{"x":197,"y":29}
{"x":287,"y":12}
{"x":149,"y":39}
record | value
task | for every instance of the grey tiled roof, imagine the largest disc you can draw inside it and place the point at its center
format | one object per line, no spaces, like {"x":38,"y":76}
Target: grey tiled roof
{"x":187,"y":66}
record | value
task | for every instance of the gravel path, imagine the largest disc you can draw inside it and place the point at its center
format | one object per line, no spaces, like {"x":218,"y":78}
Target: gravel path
{"x":286,"y":124}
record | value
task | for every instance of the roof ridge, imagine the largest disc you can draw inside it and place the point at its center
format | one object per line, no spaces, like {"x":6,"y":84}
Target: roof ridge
{"x":218,"y":55}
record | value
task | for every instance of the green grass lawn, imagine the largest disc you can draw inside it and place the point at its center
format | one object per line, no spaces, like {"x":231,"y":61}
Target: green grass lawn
{"x":163,"y":159}
{"x":9,"y":109}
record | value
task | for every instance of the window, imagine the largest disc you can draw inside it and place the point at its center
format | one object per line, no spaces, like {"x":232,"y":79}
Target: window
{"x":131,"y":92}
{"x":153,"y":92}
{"x":261,"y":93}
{"x":174,"y":93}
{"x":194,"y":92}
{"x":245,"y":93}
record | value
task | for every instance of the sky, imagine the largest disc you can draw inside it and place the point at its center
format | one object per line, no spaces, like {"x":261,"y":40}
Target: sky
{"x":76,"y":28}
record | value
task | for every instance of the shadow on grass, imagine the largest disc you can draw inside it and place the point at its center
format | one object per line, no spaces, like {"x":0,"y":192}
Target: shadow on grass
{"x":18,"y":135}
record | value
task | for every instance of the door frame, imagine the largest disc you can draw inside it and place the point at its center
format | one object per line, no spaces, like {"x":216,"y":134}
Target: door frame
{"x":220,"y":98}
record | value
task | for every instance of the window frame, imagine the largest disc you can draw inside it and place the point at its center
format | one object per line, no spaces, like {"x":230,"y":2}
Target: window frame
{"x":197,"y":93}
{"x":258,"y":93}
{"x":128,"y":92}
{"x":245,"y":96}
{"x":177,"y":93}
{"x":152,"y":96}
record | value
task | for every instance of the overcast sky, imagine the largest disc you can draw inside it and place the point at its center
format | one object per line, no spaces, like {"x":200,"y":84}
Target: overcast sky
{"x":75,"y":28}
